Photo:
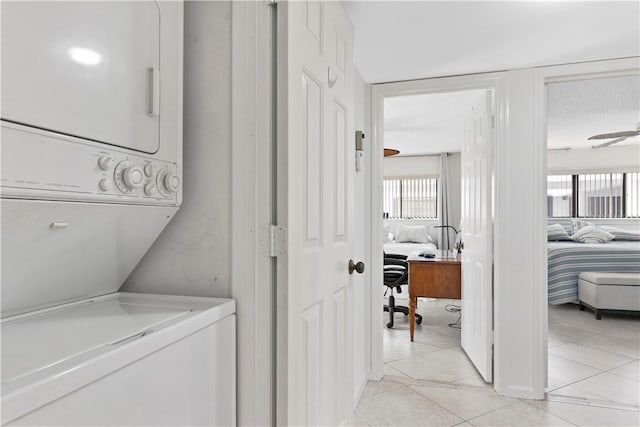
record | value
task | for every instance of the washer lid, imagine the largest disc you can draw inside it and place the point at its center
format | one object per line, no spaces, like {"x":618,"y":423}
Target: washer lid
{"x":38,"y":341}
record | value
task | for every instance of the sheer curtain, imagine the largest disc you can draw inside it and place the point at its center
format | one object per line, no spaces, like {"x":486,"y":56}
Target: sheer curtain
{"x":446,"y":240}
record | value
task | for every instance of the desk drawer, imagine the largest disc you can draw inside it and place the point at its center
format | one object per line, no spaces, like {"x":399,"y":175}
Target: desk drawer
{"x":435,"y":279}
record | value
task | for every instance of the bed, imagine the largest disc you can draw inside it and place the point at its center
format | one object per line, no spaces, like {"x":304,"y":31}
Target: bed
{"x":568,"y":259}
{"x":408,"y":249}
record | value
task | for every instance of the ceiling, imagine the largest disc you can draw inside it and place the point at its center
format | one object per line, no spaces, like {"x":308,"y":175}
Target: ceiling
{"x":397,"y":40}
{"x":427,"y":124}
{"x":579,"y":109}
{"x":433,"y":123}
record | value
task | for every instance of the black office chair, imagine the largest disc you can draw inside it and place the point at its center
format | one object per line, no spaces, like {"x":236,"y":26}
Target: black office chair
{"x":396,"y":274}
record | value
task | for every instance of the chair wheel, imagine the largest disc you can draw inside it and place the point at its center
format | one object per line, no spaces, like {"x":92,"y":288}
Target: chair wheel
{"x":419,"y":320}
{"x":389,"y":325}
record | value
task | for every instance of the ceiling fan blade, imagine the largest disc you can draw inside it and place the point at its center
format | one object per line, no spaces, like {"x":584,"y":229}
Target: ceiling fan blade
{"x":626,"y":134}
{"x":613,"y":141}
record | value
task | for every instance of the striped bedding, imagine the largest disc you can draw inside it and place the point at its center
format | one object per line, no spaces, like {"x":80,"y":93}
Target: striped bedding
{"x":568,"y":259}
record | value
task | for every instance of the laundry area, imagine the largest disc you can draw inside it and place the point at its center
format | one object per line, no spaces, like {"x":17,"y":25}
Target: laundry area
{"x":92,"y":173}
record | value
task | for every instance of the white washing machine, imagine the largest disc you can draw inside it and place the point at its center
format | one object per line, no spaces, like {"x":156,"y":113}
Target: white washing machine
{"x":91,"y":173}
{"x":121,"y":359}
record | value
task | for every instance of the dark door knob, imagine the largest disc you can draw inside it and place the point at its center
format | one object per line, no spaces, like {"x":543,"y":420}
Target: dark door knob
{"x":359,"y":267}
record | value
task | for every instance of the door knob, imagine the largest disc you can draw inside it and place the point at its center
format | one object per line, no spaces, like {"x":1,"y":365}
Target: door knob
{"x":359,"y":267}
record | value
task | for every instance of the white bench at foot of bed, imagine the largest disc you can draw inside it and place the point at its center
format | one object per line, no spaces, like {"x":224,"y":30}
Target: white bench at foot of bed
{"x":609,"y":291}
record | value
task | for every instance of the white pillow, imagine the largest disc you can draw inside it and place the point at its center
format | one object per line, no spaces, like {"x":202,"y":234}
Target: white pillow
{"x":415,"y":234}
{"x":592,"y":234}
{"x":620,"y":234}
{"x":386,"y":236}
{"x":577,"y":224}
{"x":557,"y":232}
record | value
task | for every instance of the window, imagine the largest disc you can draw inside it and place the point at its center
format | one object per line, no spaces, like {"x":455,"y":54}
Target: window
{"x":594,"y":195}
{"x":632,"y":194}
{"x":600,"y":195}
{"x":560,"y":196}
{"x":410,"y":198}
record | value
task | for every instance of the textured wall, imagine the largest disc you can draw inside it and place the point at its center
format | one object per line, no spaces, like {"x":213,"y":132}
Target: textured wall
{"x":192,"y":255}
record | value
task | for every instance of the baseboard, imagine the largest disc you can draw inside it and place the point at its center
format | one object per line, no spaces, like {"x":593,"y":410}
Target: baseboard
{"x":376,"y":374}
{"x":519,"y":392}
{"x":360,"y":389}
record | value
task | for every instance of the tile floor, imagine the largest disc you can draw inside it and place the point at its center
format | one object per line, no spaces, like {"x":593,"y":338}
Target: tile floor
{"x":594,"y":376}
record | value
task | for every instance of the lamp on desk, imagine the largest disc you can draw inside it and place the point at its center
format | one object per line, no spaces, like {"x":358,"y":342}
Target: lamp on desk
{"x":458,"y":245}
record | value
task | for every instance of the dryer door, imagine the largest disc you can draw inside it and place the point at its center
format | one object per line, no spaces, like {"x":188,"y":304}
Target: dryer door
{"x":87,"y":69}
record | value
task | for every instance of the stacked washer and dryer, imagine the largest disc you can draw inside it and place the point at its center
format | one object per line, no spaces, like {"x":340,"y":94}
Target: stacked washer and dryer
{"x":91,"y":174}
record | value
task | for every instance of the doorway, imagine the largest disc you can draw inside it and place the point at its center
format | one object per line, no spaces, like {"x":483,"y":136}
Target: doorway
{"x":592,"y":188}
{"x":421,"y":216}
{"x":434,"y":337}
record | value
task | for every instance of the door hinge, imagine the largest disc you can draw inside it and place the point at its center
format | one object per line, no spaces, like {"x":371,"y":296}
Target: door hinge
{"x":277,"y":241}
{"x":493,"y":121}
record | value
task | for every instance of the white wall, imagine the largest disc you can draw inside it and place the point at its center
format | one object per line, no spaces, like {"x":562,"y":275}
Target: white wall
{"x":426,"y":165}
{"x":519,"y":262}
{"x":362,"y":292}
{"x":192,"y":255}
{"x":601,"y":159}
{"x":395,"y":166}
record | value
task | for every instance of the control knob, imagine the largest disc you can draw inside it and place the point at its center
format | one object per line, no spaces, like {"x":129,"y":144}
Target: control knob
{"x":148,"y":169}
{"x":104,"y":162}
{"x":105,"y":184}
{"x":128,"y":177}
{"x":133,"y":177}
{"x":168,"y":182}
{"x":171,"y":182}
{"x":149,"y":188}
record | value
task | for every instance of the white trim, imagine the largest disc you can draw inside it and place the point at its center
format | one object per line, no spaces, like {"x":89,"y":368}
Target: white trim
{"x":543,"y":75}
{"x":251,"y":209}
{"x":282,"y":268}
{"x":492,"y":81}
{"x":377,"y":120}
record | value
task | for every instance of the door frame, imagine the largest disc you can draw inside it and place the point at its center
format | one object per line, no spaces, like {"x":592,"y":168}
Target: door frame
{"x":518,"y":256}
{"x":542,"y":76}
{"x":489,"y":81}
{"x":253,"y":195}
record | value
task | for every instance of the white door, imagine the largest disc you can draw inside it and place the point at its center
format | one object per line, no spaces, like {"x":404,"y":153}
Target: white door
{"x":84,"y":68}
{"x":315,"y":44}
{"x":477,"y":232}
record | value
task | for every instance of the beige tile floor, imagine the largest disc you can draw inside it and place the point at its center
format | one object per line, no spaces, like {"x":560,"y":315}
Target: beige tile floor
{"x":594,"y":376}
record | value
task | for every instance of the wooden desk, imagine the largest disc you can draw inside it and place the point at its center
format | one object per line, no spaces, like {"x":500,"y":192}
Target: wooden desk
{"x":439,"y":278}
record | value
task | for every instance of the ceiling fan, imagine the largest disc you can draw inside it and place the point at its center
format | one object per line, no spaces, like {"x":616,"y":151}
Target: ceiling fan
{"x":618,"y":136}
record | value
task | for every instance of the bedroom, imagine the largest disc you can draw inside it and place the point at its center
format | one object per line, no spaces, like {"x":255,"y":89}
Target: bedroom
{"x":594,"y":237}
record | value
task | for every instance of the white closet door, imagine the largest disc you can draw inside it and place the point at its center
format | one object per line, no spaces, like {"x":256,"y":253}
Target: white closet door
{"x":84,"y":68}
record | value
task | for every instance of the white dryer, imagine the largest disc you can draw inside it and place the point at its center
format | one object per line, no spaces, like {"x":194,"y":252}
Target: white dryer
{"x":91,"y":173}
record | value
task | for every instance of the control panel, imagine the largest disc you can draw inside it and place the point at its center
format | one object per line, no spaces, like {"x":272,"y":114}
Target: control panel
{"x":136,"y":176}
{"x":42,"y":165}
